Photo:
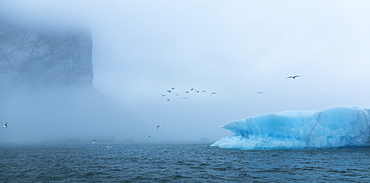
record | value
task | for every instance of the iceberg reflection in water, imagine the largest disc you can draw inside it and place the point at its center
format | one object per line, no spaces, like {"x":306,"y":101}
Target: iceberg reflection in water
{"x":333,"y":127}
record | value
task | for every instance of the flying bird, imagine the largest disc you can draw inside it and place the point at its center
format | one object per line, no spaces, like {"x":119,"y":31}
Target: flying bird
{"x":172,"y":88}
{"x":204,"y":91}
{"x":158,"y":126}
{"x":6,"y":125}
{"x":168,"y":99}
{"x":293,"y":77}
{"x":213,"y":93}
{"x":259,"y":92}
{"x":169,"y":91}
{"x":185,"y":97}
{"x":94,"y":141}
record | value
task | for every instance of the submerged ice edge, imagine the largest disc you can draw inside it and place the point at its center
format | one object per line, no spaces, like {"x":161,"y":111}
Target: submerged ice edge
{"x":332,"y":127}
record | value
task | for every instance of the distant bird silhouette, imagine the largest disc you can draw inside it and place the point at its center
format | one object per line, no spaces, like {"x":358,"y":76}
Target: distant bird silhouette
{"x":172,"y":88}
{"x":163,"y":95}
{"x":158,"y":126}
{"x":168,"y":99}
{"x":204,"y":91}
{"x":94,"y":141}
{"x":187,"y":92}
{"x":169,"y":91}
{"x":149,"y":136}
{"x":213,"y":93}
{"x":259,"y":92}
{"x":293,"y":77}
{"x":192,"y":89}
{"x":185,"y":97}
{"x":6,"y":125}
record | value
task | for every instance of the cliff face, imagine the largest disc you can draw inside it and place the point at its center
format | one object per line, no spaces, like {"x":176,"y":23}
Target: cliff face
{"x":32,"y":58}
{"x":46,"y":86}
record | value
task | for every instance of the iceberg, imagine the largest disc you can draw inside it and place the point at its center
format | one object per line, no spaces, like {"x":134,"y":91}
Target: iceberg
{"x":332,"y":127}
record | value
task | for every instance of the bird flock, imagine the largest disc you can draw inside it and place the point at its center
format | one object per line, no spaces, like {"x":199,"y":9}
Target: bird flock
{"x":172,"y":92}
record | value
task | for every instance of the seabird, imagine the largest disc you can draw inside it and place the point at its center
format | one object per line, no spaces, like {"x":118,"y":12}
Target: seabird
{"x":259,"y":92}
{"x":168,"y":99}
{"x":187,"y":92}
{"x":185,"y":97}
{"x":293,"y":77}
{"x":169,"y":91}
{"x":213,"y":93}
{"x":94,"y":141}
{"x":172,"y":88}
{"x":204,"y":91}
{"x":163,"y":95}
{"x":158,"y":126}
{"x":6,"y":125}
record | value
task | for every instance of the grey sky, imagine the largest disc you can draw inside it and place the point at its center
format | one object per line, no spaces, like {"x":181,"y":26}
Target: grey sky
{"x":236,"y":48}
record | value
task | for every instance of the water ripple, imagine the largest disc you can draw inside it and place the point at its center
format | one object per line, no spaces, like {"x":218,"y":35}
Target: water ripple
{"x":179,"y":163}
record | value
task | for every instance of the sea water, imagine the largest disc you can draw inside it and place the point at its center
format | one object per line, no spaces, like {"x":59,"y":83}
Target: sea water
{"x":179,"y":163}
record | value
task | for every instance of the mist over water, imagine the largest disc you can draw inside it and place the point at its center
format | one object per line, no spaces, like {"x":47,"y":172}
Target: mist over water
{"x":142,"y":48}
{"x":57,"y":114}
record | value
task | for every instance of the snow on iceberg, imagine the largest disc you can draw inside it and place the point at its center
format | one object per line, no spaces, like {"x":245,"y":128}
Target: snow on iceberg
{"x":333,"y":127}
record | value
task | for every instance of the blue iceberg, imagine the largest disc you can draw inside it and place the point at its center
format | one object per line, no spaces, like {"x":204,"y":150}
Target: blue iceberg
{"x":333,"y":127}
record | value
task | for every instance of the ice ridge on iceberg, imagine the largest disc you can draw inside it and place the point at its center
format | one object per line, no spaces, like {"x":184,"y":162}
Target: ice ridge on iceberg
{"x":332,"y":127}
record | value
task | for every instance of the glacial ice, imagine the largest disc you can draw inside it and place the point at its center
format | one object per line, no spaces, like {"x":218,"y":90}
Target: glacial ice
{"x":332,"y":127}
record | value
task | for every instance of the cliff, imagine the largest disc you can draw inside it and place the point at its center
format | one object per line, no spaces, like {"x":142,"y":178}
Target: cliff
{"x":46,"y":89}
{"x":35,"y":58}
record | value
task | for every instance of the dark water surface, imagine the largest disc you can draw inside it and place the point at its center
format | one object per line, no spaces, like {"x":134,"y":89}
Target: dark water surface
{"x":179,"y":163}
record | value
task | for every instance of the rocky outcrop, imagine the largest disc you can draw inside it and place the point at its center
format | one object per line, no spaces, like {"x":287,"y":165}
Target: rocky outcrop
{"x":46,"y":87}
{"x":34,"y":58}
